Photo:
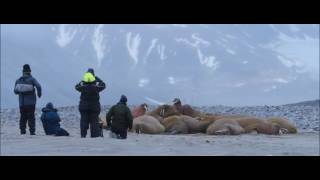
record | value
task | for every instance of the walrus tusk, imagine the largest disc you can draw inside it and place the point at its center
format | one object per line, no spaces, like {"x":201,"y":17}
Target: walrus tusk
{"x":162,"y":112}
{"x":283,"y":131}
{"x":145,"y":107}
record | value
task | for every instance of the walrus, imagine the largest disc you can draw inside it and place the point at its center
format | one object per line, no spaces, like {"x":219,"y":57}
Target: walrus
{"x":285,"y":125}
{"x":186,"y":109}
{"x":163,"y":111}
{"x":102,"y":121}
{"x":140,"y":110}
{"x":236,"y":126}
{"x":225,"y":127}
{"x":184,"y":125}
{"x":213,"y":117}
{"x":147,"y":124}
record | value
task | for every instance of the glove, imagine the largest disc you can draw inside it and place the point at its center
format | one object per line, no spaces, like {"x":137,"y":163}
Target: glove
{"x":39,"y":95}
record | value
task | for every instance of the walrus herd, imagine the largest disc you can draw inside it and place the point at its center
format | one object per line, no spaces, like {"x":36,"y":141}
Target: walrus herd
{"x":183,"y":119}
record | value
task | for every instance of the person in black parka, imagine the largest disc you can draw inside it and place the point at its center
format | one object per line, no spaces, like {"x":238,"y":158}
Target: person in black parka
{"x":119,"y":119}
{"x":51,"y":121}
{"x":89,"y":105}
{"x":25,"y":88}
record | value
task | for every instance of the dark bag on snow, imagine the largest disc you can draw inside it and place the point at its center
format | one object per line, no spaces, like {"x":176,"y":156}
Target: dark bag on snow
{"x":62,"y":132}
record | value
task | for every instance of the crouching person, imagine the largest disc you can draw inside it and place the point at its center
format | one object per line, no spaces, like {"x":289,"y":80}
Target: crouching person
{"x":119,"y":119}
{"x":51,"y":121}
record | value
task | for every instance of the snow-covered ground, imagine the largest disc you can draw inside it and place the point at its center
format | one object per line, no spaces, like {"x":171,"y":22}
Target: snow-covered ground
{"x":306,"y":142}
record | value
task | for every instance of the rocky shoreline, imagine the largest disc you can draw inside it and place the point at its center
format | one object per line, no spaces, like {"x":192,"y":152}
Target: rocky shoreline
{"x":306,"y":117}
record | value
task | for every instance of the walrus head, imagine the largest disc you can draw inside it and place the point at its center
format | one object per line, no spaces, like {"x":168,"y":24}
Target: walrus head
{"x":176,"y":101}
{"x":276,"y":129}
{"x":167,"y":110}
{"x":144,"y":106}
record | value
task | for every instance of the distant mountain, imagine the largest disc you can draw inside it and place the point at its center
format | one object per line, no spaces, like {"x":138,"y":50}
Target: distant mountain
{"x":201,"y":64}
{"x":306,"y":103}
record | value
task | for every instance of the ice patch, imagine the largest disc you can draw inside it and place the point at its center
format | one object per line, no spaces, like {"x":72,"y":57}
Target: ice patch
{"x":171,"y":80}
{"x":197,"y":41}
{"x":299,"y":53}
{"x":180,"y":25}
{"x":143,"y":82}
{"x":273,"y":87}
{"x":161,"y":49}
{"x":65,"y":35}
{"x":151,"y":47}
{"x":133,"y":43}
{"x":294,"y":28}
{"x":231,"y":51}
{"x":245,"y":62}
{"x":209,"y":61}
{"x":98,"y":43}
{"x":281,"y":80}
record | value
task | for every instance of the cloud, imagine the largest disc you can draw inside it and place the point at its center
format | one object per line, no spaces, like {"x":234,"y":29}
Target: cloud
{"x":143,"y":82}
{"x":273,"y":87}
{"x":98,"y":43}
{"x":65,"y":35}
{"x":171,"y":80}
{"x":133,"y":43}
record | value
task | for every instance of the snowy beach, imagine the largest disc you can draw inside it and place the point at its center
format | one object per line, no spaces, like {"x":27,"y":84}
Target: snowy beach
{"x":306,"y":142}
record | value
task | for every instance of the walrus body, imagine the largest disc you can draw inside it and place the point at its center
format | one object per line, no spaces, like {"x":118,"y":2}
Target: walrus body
{"x":184,"y":125}
{"x":147,"y":125}
{"x":284,"y":124}
{"x":236,"y":126}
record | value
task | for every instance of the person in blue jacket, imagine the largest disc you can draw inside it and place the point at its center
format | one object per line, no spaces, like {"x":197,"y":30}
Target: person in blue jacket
{"x":26,"y":87}
{"x":51,"y":121}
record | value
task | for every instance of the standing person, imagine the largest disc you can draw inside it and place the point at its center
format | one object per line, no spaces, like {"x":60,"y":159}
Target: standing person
{"x":119,"y":118}
{"x":89,"y":105}
{"x":24,"y":87}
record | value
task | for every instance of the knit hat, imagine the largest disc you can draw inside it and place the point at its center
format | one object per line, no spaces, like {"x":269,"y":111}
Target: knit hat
{"x":49,"y":105}
{"x":26,"y":68}
{"x":90,"y":70}
{"x":123,"y":99}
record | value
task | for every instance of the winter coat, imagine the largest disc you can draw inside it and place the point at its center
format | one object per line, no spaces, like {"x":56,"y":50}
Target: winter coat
{"x":119,"y":116}
{"x":50,"y":120}
{"x":27,"y":98}
{"x":90,"y":93}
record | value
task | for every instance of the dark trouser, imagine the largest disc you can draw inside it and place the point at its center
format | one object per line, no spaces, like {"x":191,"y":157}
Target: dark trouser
{"x":27,"y":116}
{"x":120,"y":132}
{"x":90,"y":117}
